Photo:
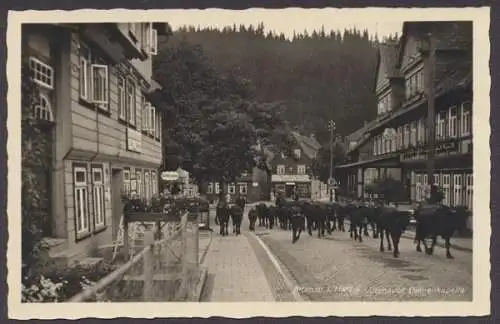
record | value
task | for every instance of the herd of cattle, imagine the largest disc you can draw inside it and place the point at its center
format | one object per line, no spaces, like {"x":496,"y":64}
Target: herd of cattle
{"x":432,"y":220}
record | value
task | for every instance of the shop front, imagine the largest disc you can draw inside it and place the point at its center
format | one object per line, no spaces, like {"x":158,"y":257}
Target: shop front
{"x":291,"y":185}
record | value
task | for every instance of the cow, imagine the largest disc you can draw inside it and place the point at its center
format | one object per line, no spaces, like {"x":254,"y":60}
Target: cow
{"x":340,"y":213}
{"x":393,"y":223}
{"x":236,"y":213}
{"x":296,"y":216}
{"x":262,"y":214}
{"x":222,"y":214}
{"x":317,"y":214}
{"x":271,"y":213}
{"x":252,"y":217}
{"x":435,"y":220}
{"x":356,"y":214}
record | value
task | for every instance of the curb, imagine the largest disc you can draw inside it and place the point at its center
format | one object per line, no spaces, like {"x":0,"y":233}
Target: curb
{"x":196,"y":297}
{"x":204,"y":254}
{"x":287,"y":280}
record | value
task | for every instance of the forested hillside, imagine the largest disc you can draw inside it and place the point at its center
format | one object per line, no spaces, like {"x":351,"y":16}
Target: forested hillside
{"x":318,"y":76}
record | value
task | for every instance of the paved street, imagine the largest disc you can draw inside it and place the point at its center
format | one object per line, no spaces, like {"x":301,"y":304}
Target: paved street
{"x":332,"y":269}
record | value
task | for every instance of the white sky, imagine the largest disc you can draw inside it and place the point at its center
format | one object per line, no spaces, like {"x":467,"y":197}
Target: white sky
{"x":288,"y":20}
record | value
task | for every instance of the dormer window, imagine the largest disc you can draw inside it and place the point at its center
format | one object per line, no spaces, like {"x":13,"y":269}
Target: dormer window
{"x":297,"y":153}
{"x":414,"y":83}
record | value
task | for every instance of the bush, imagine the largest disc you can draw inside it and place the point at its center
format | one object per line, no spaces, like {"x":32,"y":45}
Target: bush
{"x":59,"y":285}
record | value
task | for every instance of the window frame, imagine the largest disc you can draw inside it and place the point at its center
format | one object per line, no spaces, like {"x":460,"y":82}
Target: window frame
{"x":81,"y":190}
{"x":98,"y":187}
{"x":131,"y":104}
{"x":280,"y":167}
{"x":103,"y":102}
{"x":122,"y":97}
{"x":39,"y":108}
{"x":453,"y":122}
{"x":210,"y":188}
{"x":301,"y":167}
{"x":33,"y":62}
{"x":466,"y":118}
{"x":231,"y":188}
{"x":127,"y":186}
{"x":243,"y":185}
{"x":153,"y":50}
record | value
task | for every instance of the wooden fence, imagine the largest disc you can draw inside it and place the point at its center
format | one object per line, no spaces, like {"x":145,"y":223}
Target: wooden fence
{"x":166,"y":269}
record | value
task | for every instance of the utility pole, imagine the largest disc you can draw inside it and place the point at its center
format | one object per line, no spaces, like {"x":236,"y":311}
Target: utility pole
{"x":331,"y":128}
{"x":429,"y":53}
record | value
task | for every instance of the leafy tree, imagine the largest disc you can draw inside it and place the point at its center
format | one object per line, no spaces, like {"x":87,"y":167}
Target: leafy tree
{"x":214,"y":122}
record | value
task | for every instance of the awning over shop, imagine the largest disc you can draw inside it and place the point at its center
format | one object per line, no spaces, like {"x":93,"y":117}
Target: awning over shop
{"x":386,"y":161}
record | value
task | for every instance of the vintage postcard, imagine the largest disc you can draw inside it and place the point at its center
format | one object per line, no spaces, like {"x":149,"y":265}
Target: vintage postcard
{"x":275,"y":159}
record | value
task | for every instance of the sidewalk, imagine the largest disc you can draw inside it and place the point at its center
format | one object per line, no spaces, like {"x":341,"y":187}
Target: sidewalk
{"x":237,"y":273}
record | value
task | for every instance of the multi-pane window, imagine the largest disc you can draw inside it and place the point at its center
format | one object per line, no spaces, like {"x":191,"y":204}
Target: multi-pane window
{"x":152,"y":120}
{"x":217,"y":188}
{"x":154,"y":42}
{"x":94,"y":79}
{"x":413,"y":133}
{"x":126,"y":181}
{"x":243,"y":188}
{"x":421,"y":131}
{"x":147,"y":185}
{"x":210,"y":188}
{"x":122,"y":106}
{"x":43,"y":109}
{"x":98,"y":191}
{"x":42,"y":73}
{"x":452,"y":122}
{"x":301,"y":169}
{"x":414,"y":84}
{"x":154,"y":184}
{"x":158,"y":126}
{"x":406,"y":135}
{"x":144,"y":113}
{"x":131,"y":91}
{"x":138,"y":180}
{"x":469,"y":187}
{"x":280,"y":169}
{"x":81,"y":200}
{"x":297,"y":153}
{"x":466,"y":119}
{"x":441,"y":125}
{"x":231,"y":188}
{"x":400,"y":137}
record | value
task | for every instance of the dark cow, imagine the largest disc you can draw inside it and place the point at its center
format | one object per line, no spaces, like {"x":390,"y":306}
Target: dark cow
{"x":283,"y":216}
{"x":317,"y":214}
{"x":236,"y":217}
{"x":296,"y":216}
{"x":272,"y":216}
{"x":435,"y":220}
{"x":393,"y":223}
{"x":252,"y":217}
{"x":222,"y":214}
{"x":340,"y":213}
{"x":356,"y":214}
{"x":262,"y":214}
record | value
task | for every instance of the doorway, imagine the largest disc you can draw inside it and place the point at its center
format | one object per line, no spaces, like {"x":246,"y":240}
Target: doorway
{"x":116,"y":200}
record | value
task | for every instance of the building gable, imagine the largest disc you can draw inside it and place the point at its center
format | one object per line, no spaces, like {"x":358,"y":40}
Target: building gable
{"x":386,"y":60}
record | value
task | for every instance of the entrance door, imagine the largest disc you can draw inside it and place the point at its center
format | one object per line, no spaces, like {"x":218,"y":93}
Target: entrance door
{"x":116,"y":200}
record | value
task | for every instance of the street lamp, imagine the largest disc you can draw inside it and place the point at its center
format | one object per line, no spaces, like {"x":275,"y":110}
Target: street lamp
{"x":331,"y":128}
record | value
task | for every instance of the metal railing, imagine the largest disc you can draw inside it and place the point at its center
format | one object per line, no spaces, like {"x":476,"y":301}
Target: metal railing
{"x":166,"y":269}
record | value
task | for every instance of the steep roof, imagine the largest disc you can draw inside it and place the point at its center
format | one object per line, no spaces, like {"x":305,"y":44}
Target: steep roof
{"x":387,"y":55}
{"x":309,"y":145}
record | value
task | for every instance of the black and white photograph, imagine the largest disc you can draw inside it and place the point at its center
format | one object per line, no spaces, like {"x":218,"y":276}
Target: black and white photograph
{"x":276,"y":157}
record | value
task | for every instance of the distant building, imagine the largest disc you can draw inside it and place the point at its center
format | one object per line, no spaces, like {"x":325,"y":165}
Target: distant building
{"x":102,"y":118}
{"x":400,"y":86}
{"x":292,"y":174}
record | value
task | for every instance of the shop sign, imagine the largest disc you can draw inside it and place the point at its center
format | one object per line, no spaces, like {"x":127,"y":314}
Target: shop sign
{"x":134,"y":140}
{"x":290,"y":178}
